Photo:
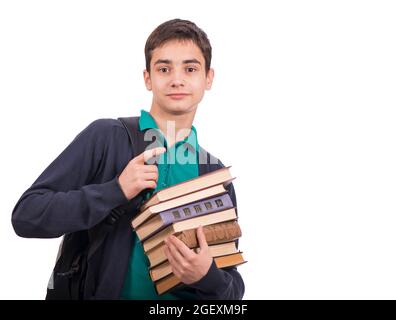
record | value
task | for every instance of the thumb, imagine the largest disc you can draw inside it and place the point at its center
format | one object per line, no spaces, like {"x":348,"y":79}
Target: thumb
{"x":201,"y":239}
{"x":148,"y":154}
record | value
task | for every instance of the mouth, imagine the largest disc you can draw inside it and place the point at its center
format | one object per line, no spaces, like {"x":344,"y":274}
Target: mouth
{"x":177,"y":96}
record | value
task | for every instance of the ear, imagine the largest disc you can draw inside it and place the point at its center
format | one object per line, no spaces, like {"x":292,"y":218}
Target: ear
{"x":147,"y":80}
{"x":209,"y":78}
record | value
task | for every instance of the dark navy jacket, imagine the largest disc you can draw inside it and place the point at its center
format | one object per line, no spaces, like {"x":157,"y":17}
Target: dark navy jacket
{"x":80,"y":188}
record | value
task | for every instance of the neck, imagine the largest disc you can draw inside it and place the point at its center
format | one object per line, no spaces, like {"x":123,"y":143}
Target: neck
{"x":174,"y":126}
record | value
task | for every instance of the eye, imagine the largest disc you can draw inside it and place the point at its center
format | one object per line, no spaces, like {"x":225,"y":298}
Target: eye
{"x":163,"y":69}
{"x":191,"y":69}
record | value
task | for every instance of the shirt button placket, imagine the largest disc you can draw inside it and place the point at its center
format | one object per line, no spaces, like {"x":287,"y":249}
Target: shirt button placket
{"x":166,"y":171}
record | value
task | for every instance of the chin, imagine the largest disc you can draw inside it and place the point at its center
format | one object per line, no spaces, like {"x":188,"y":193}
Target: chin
{"x":180,"y":109}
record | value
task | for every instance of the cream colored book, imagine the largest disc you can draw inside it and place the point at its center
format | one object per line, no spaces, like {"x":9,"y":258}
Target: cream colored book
{"x":220,"y":176}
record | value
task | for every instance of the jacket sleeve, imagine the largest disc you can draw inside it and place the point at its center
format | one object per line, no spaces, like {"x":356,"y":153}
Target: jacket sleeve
{"x":65,"y":197}
{"x":221,"y":284}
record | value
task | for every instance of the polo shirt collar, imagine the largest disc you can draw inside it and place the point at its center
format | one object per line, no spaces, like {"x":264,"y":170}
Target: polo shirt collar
{"x":147,"y":121}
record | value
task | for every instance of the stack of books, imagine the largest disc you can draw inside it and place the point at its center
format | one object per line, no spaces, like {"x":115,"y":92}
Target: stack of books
{"x":179,"y":210}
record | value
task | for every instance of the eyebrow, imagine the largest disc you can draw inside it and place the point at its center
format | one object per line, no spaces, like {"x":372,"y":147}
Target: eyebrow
{"x":167,"y":61}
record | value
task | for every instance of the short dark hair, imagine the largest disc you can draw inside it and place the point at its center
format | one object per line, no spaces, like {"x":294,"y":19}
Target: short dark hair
{"x":182,"y":30}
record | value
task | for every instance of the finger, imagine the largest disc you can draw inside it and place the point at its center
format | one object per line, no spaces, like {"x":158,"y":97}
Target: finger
{"x":168,"y":254}
{"x":148,"y":154}
{"x":150,"y":176}
{"x":185,"y":251}
{"x":175,"y":254}
{"x":172,"y":261}
{"x":150,"y":184}
{"x":152,"y":153}
{"x":150,"y":168}
{"x":203,"y":244}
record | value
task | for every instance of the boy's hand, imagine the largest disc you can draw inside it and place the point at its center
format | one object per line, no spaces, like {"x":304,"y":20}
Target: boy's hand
{"x":138,"y":176}
{"x":187,"y":265}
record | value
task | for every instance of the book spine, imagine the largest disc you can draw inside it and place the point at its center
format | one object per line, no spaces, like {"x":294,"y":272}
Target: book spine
{"x":215,"y":233}
{"x":195,"y":209}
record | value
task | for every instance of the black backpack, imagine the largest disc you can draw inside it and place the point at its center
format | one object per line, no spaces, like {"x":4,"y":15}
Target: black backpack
{"x":70,"y":278}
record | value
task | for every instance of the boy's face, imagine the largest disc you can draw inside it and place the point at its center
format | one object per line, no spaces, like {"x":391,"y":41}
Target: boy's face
{"x":177,"y":77}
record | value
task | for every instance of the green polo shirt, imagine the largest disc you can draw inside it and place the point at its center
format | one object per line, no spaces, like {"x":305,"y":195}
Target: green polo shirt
{"x":172,"y":169}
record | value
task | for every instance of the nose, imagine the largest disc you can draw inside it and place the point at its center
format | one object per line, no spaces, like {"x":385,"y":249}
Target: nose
{"x":177,"y":80}
{"x":177,"y":83}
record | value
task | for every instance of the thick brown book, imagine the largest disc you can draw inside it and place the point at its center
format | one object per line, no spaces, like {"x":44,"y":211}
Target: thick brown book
{"x":220,"y":176}
{"x":152,"y":211}
{"x":172,"y":281}
{"x":157,"y":238}
{"x":214,"y":234}
{"x":162,"y":270}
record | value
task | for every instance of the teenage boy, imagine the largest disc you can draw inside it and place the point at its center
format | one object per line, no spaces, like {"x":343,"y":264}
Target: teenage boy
{"x":96,"y":173}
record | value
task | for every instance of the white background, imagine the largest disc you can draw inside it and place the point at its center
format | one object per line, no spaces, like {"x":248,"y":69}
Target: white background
{"x":302,"y":107}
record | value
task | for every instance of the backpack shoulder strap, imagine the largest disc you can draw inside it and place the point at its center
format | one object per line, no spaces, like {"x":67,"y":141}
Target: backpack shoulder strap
{"x":131,"y":125}
{"x":137,"y":137}
{"x":98,"y":233}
